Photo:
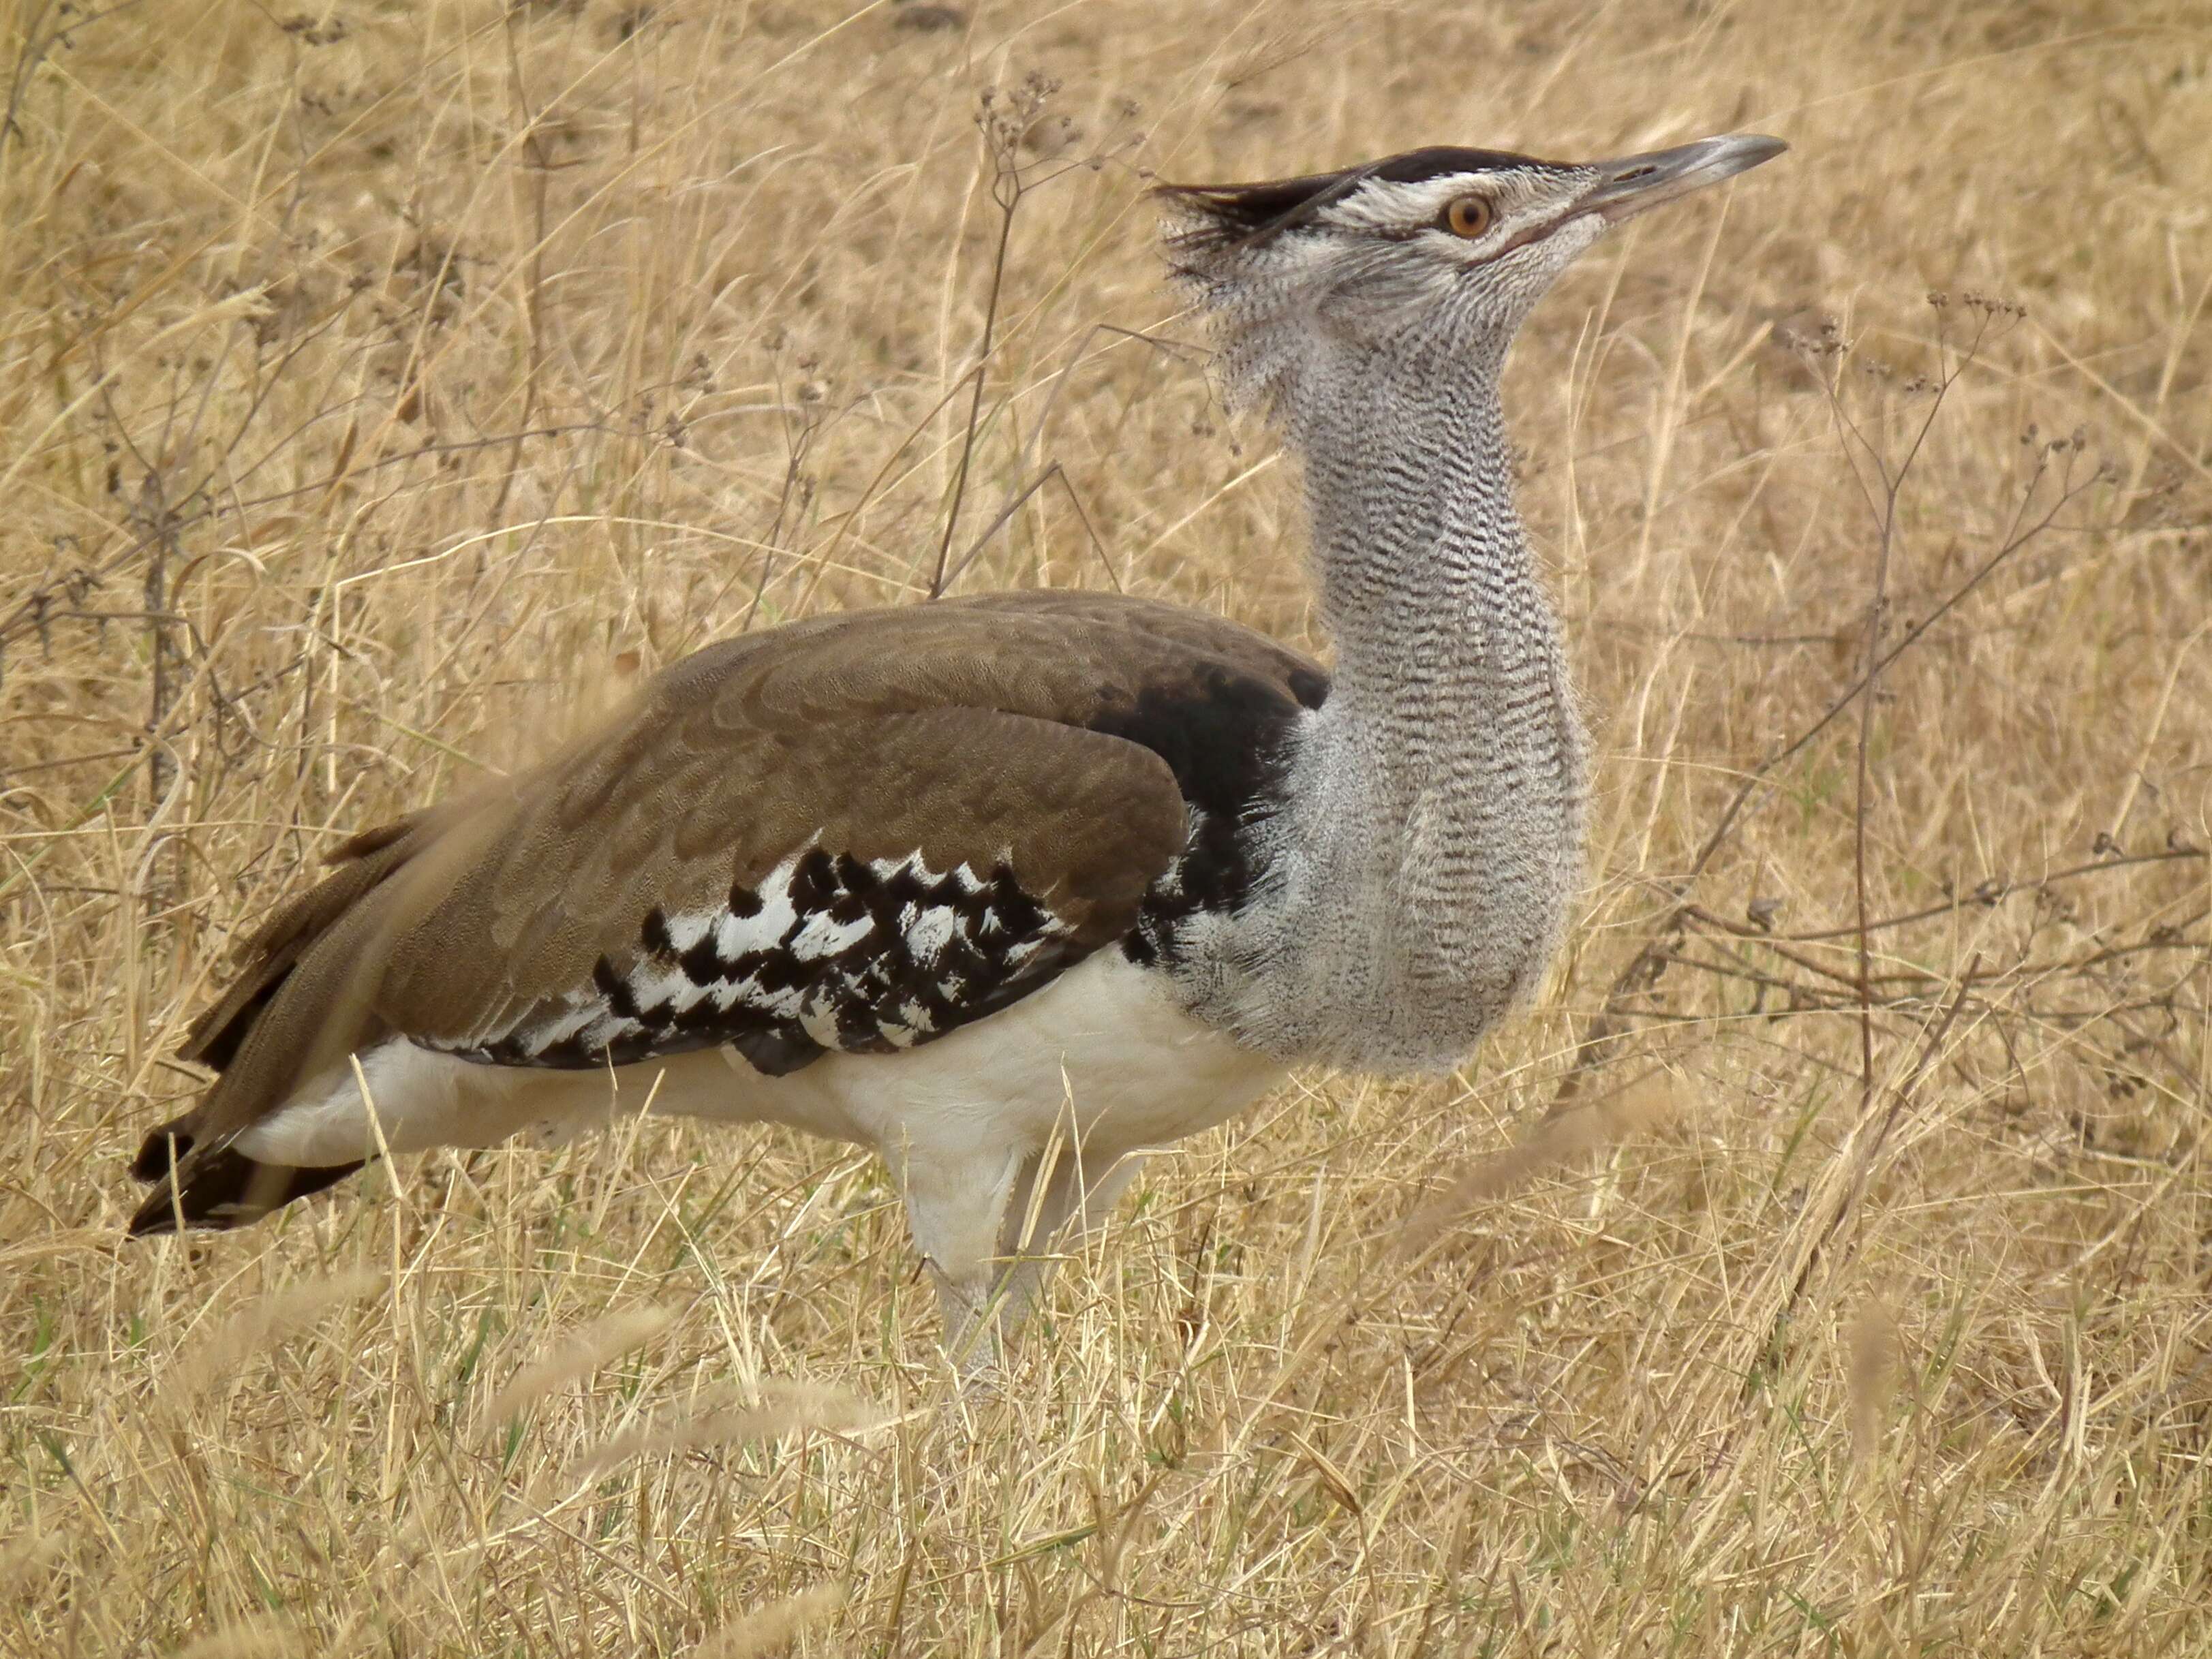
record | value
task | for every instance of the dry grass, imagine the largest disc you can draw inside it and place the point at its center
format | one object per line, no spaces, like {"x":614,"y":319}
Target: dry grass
{"x":384,"y":385}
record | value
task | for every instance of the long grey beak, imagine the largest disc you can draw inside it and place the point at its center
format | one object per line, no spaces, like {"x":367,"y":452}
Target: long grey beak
{"x":1627,"y":186}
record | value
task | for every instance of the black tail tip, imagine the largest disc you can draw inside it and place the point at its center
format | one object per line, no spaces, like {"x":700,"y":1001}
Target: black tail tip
{"x":160,"y":1151}
{"x":222,"y":1190}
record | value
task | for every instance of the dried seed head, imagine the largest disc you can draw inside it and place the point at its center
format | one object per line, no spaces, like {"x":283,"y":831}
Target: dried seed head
{"x":266,"y":1321}
{"x":585,"y":1349}
{"x":772,"y":1628}
{"x":1872,"y":1356}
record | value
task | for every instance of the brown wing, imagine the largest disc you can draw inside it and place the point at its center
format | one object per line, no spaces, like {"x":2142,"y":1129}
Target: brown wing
{"x":848,"y":881}
{"x":929,"y":804}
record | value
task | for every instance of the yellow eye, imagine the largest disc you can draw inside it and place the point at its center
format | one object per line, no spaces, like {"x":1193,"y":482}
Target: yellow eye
{"x":1469,"y":217}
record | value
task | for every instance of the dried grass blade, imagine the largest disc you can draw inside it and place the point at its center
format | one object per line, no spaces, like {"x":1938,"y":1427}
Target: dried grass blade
{"x":1558,"y":1138}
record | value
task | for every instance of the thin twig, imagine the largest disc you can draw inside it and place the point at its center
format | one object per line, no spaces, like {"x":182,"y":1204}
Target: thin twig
{"x":539,"y":166}
{"x":1053,"y":470}
{"x":1006,"y":192}
{"x":1606,"y":1027}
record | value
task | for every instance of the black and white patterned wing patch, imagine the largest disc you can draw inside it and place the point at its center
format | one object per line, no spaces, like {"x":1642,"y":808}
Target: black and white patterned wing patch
{"x":827,"y":952}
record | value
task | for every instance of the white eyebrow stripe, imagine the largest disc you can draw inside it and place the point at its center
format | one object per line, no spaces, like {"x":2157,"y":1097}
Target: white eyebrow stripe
{"x":1386,"y":204}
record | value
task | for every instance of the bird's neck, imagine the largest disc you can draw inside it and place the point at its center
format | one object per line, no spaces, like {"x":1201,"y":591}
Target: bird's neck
{"x":1430,"y":838}
{"x":1426,"y":583}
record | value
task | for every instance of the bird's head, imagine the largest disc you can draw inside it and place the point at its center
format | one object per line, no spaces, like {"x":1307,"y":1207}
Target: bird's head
{"x":1437,"y":253}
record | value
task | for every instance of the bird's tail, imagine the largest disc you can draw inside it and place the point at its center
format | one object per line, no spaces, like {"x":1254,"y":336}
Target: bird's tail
{"x":200,"y":1178}
{"x":215,"y":1190}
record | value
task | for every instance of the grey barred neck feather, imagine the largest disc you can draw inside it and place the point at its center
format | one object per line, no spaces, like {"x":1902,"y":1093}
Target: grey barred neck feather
{"x":928,"y":878}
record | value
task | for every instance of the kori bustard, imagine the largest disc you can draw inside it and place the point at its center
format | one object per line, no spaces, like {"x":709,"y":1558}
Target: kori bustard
{"x":1012,"y":889}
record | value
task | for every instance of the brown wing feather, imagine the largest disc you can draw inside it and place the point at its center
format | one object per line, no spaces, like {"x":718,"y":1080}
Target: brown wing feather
{"x":961,"y":733}
{"x":273,"y":952}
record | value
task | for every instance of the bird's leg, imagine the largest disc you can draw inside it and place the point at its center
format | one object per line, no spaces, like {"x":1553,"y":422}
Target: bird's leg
{"x":1079,"y":1192}
{"x":992,"y":1237}
{"x":956,"y":1205}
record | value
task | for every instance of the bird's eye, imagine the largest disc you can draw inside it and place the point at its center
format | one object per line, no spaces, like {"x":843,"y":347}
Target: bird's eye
{"x":1469,"y":217}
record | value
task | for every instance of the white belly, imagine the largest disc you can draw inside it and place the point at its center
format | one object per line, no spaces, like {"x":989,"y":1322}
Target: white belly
{"x":1103,"y":1051}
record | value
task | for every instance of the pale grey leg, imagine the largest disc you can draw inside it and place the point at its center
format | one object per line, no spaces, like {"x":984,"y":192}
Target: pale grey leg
{"x":956,"y":1205}
{"x":1079,"y":1195}
{"x":992,"y":1238}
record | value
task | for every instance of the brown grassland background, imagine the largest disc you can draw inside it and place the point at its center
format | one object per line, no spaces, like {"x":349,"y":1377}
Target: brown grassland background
{"x":385,"y":387}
